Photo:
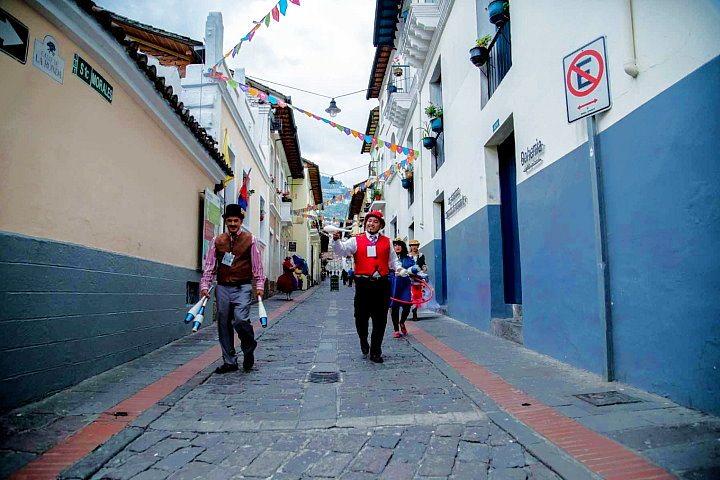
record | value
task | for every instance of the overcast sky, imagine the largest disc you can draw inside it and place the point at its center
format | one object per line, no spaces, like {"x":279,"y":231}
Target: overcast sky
{"x":322,"y":45}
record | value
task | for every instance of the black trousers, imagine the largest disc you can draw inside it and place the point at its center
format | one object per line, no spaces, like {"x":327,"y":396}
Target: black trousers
{"x":371,"y":302}
{"x":395,"y":315}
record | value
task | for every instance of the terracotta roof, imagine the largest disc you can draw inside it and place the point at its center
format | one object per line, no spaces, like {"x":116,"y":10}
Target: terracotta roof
{"x":371,"y":128}
{"x":106,"y":20}
{"x":288,"y":129}
{"x":314,"y":177}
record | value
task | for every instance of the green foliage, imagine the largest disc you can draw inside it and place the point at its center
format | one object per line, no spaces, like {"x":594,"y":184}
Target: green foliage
{"x":433,"y":111}
{"x":483,"y":41}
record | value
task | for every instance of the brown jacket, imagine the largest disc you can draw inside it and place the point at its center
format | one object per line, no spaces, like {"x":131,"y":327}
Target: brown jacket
{"x":241,"y":270}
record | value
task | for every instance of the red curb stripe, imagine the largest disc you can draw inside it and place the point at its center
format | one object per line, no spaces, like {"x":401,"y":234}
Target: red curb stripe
{"x":49,"y":465}
{"x":598,"y":453}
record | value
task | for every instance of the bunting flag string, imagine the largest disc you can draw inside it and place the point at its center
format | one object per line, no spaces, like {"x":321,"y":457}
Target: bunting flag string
{"x":274,"y":13}
{"x":376,"y":143}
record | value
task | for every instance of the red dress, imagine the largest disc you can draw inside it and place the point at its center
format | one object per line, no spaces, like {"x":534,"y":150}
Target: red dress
{"x":287,"y":283}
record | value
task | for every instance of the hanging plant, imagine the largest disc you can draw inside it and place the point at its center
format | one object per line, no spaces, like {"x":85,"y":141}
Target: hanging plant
{"x":398,"y":71}
{"x":499,"y":12}
{"x":428,"y":140}
{"x":406,"y":183}
{"x":480,"y":54}
{"x":433,"y":111}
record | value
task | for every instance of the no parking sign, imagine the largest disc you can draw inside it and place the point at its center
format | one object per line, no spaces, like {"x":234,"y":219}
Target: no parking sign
{"x":587,"y":90}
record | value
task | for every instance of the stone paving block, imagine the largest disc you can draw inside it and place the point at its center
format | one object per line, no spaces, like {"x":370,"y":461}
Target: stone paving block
{"x":179,"y":458}
{"x":436,"y":465}
{"x":399,"y":470}
{"x":151,"y":474}
{"x":133,"y":466}
{"x":11,"y":461}
{"x":371,"y":460}
{"x":538,"y":471}
{"x":147,"y":440}
{"x":383,"y":440}
{"x":409,"y":450}
{"x":473,"y":452}
{"x":469,"y":471}
{"x":216,"y":453}
{"x":507,"y":474}
{"x":350,"y":443}
{"x":167,"y":446}
{"x":499,"y":436}
{"x":476,"y":433}
{"x":193,"y":471}
{"x":266,"y":463}
{"x":443,"y":446}
{"x":331,"y":465}
{"x":301,"y":462}
{"x":449,"y":430}
{"x":507,"y":456}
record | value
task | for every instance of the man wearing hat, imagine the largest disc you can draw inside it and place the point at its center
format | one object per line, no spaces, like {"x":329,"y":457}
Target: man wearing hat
{"x":420,"y":261}
{"x":235,"y":258}
{"x":374,"y":260}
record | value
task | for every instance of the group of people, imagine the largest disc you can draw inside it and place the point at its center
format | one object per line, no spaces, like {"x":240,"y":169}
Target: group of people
{"x":291,"y":278}
{"x":382,"y":279}
{"x":348,"y":276}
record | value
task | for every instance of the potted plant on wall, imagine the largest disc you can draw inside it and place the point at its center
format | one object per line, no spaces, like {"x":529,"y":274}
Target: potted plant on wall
{"x":391,"y":89}
{"x":435,"y":113}
{"x":428,"y":140}
{"x":479,"y":54}
{"x":408,"y":179}
{"x":377,"y":194}
{"x":499,"y":12}
{"x":397,"y":71}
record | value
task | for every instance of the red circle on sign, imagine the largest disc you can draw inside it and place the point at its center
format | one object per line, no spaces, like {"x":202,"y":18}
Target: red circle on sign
{"x":594,"y":81}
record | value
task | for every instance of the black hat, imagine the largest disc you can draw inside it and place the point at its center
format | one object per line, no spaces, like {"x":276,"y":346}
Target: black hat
{"x":234,"y":210}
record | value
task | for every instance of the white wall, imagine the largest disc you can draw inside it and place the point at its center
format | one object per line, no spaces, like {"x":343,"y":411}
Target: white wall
{"x":672,"y":37}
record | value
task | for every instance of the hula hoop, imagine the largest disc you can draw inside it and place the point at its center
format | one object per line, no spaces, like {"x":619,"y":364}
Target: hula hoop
{"x":424,"y":300}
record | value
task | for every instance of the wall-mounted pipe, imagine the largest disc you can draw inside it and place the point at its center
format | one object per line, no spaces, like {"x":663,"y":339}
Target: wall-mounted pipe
{"x":630,"y":66}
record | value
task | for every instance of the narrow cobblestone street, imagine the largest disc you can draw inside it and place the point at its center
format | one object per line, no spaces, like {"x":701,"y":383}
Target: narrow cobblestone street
{"x":402,"y":419}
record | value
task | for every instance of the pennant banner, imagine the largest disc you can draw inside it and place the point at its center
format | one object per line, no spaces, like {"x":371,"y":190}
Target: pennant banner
{"x":274,"y":13}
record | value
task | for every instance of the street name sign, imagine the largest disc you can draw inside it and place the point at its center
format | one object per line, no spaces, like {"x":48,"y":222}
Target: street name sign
{"x":88,"y":75}
{"x":585,"y":78}
{"x":46,"y":58}
{"x":14,"y":37}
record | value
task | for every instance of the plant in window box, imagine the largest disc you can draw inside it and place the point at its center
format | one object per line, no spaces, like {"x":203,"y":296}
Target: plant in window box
{"x":499,"y":12}
{"x":435,"y":114}
{"x":377,"y":194}
{"x":480,"y":54}
{"x":428,"y":140}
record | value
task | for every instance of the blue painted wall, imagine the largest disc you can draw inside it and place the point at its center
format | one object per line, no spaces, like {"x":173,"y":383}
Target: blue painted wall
{"x":662,"y":171}
{"x":70,"y":312}
{"x":662,"y":189}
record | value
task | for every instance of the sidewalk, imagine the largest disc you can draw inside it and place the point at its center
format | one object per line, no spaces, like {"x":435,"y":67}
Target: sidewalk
{"x":683,"y":441}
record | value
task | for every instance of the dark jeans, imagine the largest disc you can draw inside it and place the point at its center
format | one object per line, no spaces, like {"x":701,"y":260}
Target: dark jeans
{"x":395,"y":315}
{"x":371,"y":301}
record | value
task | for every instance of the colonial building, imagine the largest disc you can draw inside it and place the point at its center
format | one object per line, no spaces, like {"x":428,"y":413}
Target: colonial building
{"x":613,"y":269}
{"x":306,"y":242}
{"x":104,"y":172}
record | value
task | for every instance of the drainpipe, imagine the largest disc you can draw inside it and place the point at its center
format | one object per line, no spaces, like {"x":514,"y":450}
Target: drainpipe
{"x":630,"y":66}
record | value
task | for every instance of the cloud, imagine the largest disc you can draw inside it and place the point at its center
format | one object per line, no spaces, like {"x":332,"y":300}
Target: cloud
{"x":323,"y":46}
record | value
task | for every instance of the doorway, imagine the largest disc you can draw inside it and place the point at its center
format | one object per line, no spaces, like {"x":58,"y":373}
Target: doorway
{"x":441,"y":254}
{"x":512,"y":285}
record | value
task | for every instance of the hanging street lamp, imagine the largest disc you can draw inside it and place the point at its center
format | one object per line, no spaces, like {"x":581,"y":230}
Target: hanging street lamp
{"x":333,"y":109}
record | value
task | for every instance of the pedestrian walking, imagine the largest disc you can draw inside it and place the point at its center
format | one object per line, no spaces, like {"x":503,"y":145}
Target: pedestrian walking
{"x":374,"y":259}
{"x":419,"y":259}
{"x":234,"y":257}
{"x":344,"y":276}
{"x":351,"y":277}
{"x":400,"y":298}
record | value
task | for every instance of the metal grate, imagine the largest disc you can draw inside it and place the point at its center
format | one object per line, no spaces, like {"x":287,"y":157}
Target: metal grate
{"x":324,"y":377}
{"x":603,"y":399}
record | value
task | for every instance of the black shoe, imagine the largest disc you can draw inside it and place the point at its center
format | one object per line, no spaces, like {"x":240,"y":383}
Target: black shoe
{"x":248,"y":361}
{"x":365,"y":347}
{"x":226,"y":368}
{"x":376,"y":358}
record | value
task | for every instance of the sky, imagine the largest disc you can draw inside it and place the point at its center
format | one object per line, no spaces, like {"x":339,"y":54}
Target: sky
{"x":322,"y":45}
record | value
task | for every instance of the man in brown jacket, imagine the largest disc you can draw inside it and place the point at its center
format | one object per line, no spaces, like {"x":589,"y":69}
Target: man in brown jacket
{"x":235,"y":258}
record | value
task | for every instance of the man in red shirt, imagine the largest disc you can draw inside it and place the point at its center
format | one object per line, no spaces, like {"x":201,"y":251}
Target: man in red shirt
{"x":374,"y":259}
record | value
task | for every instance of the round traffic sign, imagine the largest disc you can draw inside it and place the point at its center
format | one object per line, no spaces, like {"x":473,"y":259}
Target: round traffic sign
{"x":592,"y":82}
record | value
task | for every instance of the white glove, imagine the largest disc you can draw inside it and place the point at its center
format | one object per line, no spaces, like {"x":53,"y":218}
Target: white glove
{"x":402,"y":272}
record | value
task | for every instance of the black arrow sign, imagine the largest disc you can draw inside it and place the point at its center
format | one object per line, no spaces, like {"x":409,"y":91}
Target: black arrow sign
{"x":13,"y":37}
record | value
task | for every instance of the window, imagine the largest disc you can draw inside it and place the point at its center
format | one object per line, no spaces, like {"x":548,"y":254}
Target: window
{"x":438,"y":153}
{"x":411,"y":231}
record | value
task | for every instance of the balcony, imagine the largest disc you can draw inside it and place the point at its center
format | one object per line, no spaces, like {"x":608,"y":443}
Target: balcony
{"x":400,"y":94}
{"x":285,"y":215}
{"x":500,"y":59}
{"x":418,"y":29}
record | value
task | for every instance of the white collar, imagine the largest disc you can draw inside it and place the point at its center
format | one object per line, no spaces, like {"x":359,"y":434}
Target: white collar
{"x":370,"y":236}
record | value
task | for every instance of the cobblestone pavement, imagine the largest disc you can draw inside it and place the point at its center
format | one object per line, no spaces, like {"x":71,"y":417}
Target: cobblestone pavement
{"x":403,"y":419}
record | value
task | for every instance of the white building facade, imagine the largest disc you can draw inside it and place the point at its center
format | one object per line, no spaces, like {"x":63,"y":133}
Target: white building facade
{"x":503,"y":205}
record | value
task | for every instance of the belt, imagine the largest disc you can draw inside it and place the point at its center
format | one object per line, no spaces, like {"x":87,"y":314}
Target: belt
{"x":370,"y":278}
{"x":235,"y":284}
